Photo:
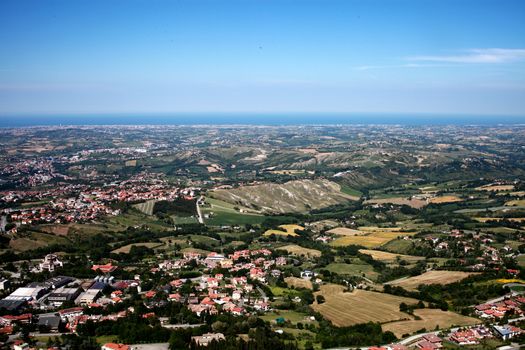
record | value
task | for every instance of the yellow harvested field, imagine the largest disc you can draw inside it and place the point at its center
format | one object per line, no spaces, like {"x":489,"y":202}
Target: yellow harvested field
{"x":131,"y":163}
{"x":510,"y":280}
{"x":517,"y":202}
{"x":389,"y":257}
{"x":289,"y":230}
{"x":431,"y":277}
{"x":301,"y":251}
{"x":495,"y":188}
{"x":359,"y":306}
{"x":414,"y":203}
{"x":343,"y":231}
{"x":279,"y":233}
{"x":498,"y":219}
{"x":444,"y":199}
{"x":126,"y":249}
{"x":373,"y":239}
{"x":381,"y":229}
{"x":298,"y":282}
{"x":430,"y":318}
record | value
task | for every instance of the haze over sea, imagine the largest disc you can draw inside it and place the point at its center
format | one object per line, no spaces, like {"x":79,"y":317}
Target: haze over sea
{"x":256,"y":119}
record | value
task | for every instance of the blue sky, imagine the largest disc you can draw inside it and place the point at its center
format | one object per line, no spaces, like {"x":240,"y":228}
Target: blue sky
{"x":393,"y":56}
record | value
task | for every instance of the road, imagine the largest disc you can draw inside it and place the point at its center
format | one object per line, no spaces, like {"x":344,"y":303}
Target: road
{"x":3,"y":222}
{"x":36,"y":334}
{"x":199,"y":213}
{"x":186,"y":325}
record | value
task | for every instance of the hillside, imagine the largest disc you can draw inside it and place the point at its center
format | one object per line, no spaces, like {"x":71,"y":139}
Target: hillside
{"x":292,"y":196}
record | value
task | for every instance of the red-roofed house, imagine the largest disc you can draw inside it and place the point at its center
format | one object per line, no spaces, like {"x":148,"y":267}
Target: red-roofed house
{"x":107,"y":268}
{"x":150,"y":294}
{"x":175,"y":297}
{"x":115,"y":346}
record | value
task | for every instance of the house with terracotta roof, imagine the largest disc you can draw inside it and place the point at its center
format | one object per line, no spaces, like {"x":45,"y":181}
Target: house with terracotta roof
{"x":150,"y":294}
{"x":396,"y":347}
{"x":430,"y":342}
{"x":116,"y":294}
{"x":6,"y":330}
{"x":107,"y":268}
{"x":115,"y":346}
{"x":175,"y":297}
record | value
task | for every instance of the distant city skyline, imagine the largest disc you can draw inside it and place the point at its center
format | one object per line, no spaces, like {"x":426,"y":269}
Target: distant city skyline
{"x":188,"y":56}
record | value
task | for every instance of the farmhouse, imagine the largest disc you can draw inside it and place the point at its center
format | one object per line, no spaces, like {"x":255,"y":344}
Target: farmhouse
{"x":307,"y":274}
{"x":207,"y":338}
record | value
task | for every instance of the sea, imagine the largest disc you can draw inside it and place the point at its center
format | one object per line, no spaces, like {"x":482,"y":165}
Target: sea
{"x":14,"y":121}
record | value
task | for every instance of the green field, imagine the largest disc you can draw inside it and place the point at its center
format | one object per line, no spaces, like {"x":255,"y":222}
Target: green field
{"x":204,"y":240}
{"x":351,"y":191}
{"x":399,"y":246}
{"x":182,"y":220}
{"x":280,"y":291}
{"x":126,"y":249}
{"x":146,"y":207}
{"x":135,"y":218}
{"x":223,"y":213}
{"x":292,"y":316}
{"x":34,"y":239}
{"x":356,"y":268}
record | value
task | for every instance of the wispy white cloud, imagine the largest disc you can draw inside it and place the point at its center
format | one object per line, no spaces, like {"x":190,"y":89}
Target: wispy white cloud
{"x":492,"y":55}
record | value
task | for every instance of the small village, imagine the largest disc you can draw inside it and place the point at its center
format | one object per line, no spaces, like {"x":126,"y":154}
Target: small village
{"x":61,"y":304}
{"x":80,"y":203}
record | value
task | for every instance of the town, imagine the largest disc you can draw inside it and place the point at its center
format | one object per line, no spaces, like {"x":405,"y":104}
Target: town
{"x":268,"y":237}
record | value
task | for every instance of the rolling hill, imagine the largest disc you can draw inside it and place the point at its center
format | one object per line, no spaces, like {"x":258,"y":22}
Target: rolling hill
{"x":293,"y":196}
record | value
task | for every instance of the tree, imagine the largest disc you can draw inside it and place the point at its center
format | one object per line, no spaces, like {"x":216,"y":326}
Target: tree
{"x":403,"y":307}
